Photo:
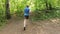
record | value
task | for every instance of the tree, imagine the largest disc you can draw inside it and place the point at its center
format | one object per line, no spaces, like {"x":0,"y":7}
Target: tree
{"x":8,"y":16}
{"x":48,"y":6}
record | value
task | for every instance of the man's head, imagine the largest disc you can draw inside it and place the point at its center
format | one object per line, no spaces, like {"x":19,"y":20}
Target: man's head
{"x":27,"y":6}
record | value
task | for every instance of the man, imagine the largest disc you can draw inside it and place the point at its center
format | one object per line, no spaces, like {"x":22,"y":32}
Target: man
{"x":26,"y":16}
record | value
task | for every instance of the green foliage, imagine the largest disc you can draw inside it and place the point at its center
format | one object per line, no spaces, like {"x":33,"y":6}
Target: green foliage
{"x":17,"y":6}
{"x":2,"y":12}
{"x":42,"y":15}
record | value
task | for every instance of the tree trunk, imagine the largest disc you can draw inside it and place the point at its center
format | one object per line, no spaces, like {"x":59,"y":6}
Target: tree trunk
{"x":50,"y":6}
{"x":8,"y":16}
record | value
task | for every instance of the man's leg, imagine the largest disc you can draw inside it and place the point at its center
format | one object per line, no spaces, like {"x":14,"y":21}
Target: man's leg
{"x":25,"y":24}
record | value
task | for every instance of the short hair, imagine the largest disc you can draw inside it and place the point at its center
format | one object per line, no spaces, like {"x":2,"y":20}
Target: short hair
{"x":27,"y":6}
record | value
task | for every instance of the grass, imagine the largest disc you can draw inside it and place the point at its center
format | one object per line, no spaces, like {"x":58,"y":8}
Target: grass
{"x":41,"y":15}
{"x":2,"y":24}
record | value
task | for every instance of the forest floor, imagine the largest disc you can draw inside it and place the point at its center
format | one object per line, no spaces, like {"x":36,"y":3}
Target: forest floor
{"x":15,"y":26}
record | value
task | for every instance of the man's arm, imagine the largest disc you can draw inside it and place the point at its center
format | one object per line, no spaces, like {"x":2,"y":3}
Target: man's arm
{"x":30,"y":11}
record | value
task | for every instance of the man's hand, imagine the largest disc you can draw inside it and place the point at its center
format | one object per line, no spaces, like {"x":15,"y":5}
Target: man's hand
{"x":30,"y":13}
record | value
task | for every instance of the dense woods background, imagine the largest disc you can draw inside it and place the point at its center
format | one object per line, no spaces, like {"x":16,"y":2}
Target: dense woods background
{"x":41,"y":9}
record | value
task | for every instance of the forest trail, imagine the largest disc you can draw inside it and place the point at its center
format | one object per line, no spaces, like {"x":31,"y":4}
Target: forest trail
{"x":15,"y":26}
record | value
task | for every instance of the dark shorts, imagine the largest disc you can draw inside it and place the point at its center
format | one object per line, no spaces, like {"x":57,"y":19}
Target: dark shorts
{"x":26,"y":17}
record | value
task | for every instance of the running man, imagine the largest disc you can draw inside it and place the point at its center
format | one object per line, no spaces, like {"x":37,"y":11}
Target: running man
{"x":26,"y":16}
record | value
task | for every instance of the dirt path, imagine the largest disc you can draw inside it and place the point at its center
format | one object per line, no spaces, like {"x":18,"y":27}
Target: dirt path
{"x":15,"y":26}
